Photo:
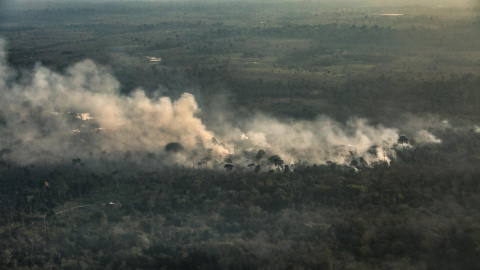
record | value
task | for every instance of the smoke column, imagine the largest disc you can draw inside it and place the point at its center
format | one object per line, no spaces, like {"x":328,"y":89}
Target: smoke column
{"x":49,"y":118}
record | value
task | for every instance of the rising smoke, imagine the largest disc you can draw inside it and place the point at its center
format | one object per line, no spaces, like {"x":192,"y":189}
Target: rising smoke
{"x":50,"y":118}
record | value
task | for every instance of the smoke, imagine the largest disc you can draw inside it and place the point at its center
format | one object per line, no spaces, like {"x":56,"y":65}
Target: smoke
{"x":50,"y":118}
{"x":423,"y":136}
{"x":319,"y":141}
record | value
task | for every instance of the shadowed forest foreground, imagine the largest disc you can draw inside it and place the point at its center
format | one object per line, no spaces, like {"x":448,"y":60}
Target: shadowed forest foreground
{"x":420,"y":212}
{"x":215,"y":134}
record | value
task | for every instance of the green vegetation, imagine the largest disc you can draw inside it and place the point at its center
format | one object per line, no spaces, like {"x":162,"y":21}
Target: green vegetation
{"x":295,"y":59}
{"x":421,"y":212}
{"x":287,"y":59}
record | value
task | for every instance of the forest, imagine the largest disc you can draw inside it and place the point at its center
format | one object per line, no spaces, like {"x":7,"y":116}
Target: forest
{"x":223,"y":134}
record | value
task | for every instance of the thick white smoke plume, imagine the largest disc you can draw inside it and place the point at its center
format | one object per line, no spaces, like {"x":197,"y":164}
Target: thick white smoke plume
{"x":322,"y":140}
{"x":47,"y":117}
{"x":52,"y":117}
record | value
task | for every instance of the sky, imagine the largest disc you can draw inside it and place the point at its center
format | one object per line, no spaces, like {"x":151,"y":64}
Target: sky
{"x":449,"y":3}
